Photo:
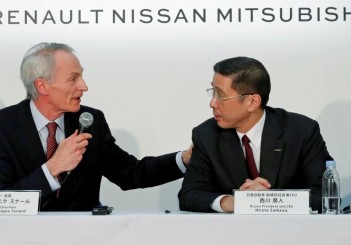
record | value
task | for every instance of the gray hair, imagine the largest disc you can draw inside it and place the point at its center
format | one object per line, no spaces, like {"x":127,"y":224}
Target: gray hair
{"x":39,"y":62}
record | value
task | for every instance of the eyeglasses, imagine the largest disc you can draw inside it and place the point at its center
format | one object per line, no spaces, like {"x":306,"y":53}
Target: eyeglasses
{"x":212,"y":93}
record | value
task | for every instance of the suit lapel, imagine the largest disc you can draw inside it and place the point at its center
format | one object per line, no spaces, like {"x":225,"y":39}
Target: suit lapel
{"x":233,"y":156}
{"x":28,"y":136}
{"x":272,"y":149}
{"x":71,"y":123}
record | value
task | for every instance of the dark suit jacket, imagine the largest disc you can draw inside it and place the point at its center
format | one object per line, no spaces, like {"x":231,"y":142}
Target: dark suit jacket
{"x":293,"y":156}
{"x":22,"y":154}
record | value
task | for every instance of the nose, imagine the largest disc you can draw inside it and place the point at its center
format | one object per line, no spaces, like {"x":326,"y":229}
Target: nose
{"x":82,"y":85}
{"x":213,"y":102}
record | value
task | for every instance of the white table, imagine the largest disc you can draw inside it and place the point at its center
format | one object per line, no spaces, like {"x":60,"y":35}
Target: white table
{"x":174,"y":228}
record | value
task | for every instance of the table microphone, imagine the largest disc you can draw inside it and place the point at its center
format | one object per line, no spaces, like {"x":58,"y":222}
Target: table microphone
{"x":85,"y":121}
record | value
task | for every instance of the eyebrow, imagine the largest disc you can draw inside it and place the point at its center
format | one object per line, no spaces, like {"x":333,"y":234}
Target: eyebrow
{"x":78,"y":72}
{"x":75,"y":74}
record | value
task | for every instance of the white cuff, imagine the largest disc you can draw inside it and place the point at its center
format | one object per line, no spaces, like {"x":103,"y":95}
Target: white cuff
{"x":216,"y":205}
{"x":180,"y":163}
{"x":53,"y":182}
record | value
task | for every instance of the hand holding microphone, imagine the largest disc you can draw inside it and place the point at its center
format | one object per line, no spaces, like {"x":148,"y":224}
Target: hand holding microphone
{"x":85,"y":121}
{"x":70,"y":151}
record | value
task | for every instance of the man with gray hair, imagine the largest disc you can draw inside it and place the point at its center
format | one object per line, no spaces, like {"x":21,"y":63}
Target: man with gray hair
{"x":41,"y":149}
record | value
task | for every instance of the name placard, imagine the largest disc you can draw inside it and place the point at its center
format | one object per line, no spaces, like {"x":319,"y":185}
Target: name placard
{"x":19,"y":202}
{"x":272,"y":202}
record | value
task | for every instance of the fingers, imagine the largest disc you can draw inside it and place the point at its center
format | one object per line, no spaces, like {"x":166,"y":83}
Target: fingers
{"x":83,"y":136}
{"x":256,"y":184}
{"x":77,"y":145}
{"x":77,"y":142}
{"x":263,"y":182}
{"x":79,"y":137}
{"x":186,"y":155}
{"x":73,"y":135}
{"x":248,"y":183}
{"x":69,"y":153}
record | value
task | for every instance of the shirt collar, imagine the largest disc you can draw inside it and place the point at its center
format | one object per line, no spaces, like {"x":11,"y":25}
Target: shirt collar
{"x":40,"y":120}
{"x":255,"y":133}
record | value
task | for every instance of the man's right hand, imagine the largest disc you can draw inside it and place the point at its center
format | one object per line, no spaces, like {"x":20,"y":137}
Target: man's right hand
{"x":227,"y":202}
{"x":256,"y":184}
{"x":68,"y":154}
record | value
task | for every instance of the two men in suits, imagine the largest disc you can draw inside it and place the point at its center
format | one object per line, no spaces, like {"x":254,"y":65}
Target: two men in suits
{"x":69,"y":180}
{"x":288,"y":150}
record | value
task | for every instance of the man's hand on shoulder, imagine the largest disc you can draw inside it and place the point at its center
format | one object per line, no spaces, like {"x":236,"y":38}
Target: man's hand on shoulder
{"x":186,"y":155}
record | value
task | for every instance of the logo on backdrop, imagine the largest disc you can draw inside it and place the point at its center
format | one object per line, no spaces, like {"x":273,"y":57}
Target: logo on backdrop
{"x":174,"y":16}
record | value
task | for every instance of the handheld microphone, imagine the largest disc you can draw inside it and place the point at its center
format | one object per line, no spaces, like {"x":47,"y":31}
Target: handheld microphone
{"x":85,"y":121}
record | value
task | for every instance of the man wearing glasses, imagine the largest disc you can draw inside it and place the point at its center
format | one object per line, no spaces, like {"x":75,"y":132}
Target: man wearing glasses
{"x":248,"y":145}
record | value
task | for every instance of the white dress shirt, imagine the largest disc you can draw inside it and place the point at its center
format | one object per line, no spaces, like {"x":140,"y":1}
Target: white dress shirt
{"x":255,"y":136}
{"x":40,"y":123}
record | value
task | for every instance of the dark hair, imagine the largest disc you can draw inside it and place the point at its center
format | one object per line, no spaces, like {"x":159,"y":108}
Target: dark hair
{"x":248,"y":76}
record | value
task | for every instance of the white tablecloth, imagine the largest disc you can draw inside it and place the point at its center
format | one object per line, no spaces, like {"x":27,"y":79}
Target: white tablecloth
{"x":174,"y":228}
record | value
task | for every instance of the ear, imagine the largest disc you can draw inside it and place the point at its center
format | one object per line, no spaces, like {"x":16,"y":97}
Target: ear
{"x":255,"y":102}
{"x":42,"y":86}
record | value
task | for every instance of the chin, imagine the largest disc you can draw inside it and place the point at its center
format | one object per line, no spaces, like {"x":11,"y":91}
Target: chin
{"x":221,"y":124}
{"x":73,"y":108}
{"x":224,"y":125}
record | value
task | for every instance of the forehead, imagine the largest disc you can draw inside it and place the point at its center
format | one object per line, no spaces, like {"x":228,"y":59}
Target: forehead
{"x":66,"y":60}
{"x":221,"y":82}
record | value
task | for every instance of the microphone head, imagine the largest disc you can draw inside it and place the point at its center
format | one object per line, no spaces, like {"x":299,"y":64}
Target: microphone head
{"x":86,"y":119}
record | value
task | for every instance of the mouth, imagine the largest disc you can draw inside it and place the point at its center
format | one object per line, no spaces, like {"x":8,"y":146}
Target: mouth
{"x":216,"y":117}
{"x":78,"y":99}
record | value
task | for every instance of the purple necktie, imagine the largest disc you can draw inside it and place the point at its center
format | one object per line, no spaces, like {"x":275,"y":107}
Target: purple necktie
{"x":250,"y":161}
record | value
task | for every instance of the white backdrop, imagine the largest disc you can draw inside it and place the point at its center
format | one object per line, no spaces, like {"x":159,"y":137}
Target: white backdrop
{"x":149,"y":72}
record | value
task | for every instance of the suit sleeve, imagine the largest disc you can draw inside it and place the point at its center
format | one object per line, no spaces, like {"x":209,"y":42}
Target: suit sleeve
{"x":17,"y":172}
{"x":126,"y":170}
{"x":198,"y":191}
{"x":314,"y":155}
{"x":36,"y":180}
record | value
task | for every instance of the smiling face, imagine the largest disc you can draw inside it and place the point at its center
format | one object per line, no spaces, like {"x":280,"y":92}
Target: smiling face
{"x":63,"y":92}
{"x":238,"y":112}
